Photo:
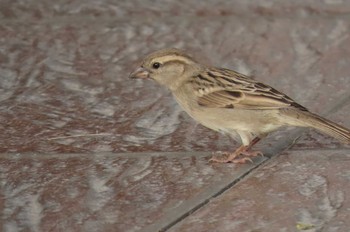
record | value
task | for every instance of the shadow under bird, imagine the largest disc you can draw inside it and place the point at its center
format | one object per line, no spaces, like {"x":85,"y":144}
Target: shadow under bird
{"x":230,"y":102}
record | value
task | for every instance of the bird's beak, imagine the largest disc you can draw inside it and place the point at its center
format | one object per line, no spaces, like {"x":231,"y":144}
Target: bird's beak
{"x":139,"y":73}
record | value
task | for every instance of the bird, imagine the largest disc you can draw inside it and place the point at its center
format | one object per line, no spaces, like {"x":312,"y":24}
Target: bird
{"x":230,"y":102}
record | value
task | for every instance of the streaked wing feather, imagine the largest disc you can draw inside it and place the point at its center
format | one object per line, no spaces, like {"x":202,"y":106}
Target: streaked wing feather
{"x":224,"y":88}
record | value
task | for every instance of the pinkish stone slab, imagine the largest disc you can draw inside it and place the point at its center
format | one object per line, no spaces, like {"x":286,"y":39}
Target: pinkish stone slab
{"x":298,"y":189}
{"x":64,"y":85}
{"x":107,"y":192}
{"x":37,"y":10}
{"x":63,"y":89}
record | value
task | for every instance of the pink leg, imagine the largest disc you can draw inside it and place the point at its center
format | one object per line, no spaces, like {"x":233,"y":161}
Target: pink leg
{"x":236,"y":156}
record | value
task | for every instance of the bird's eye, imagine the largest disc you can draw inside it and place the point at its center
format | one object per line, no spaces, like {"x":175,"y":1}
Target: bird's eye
{"x":156,"y":65}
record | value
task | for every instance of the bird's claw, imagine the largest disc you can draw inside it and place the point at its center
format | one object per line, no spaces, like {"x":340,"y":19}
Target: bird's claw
{"x":235,"y":157}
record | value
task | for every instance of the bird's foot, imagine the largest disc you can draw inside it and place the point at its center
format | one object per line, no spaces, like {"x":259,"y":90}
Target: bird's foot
{"x":240,"y":156}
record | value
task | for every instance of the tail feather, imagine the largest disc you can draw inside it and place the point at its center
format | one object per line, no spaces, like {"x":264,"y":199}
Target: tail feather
{"x":308,"y":119}
{"x":330,"y":128}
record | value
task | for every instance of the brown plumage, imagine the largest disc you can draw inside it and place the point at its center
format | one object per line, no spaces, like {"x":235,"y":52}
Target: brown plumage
{"x":230,"y":102}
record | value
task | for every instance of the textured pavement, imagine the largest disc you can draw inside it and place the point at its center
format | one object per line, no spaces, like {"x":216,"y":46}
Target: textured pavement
{"x":83,"y":148}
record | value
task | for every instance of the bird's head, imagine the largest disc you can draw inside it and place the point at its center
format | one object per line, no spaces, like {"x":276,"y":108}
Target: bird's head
{"x":169,"y":67}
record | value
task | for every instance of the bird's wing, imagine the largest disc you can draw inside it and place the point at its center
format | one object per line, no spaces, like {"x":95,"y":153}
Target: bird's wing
{"x":223,"y":88}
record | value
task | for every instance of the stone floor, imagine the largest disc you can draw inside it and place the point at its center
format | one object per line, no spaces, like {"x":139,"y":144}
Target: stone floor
{"x":83,"y":148}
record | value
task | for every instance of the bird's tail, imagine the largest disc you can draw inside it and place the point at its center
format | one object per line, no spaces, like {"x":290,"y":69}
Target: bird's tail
{"x":308,"y":119}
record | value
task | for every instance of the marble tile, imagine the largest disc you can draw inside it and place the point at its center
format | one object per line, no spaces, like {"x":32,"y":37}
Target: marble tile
{"x":107,"y":192}
{"x":64,"y":68}
{"x":296,"y":191}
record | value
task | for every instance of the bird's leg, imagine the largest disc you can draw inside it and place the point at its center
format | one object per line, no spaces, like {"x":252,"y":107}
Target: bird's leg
{"x":243,"y":150}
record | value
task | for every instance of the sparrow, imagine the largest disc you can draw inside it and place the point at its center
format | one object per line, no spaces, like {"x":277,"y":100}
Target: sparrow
{"x":229,"y":102}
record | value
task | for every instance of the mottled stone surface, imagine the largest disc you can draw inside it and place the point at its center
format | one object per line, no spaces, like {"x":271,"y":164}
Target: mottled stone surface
{"x":65,"y":101}
{"x":106,"y":192}
{"x":297,"y":189}
{"x":64,"y":68}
